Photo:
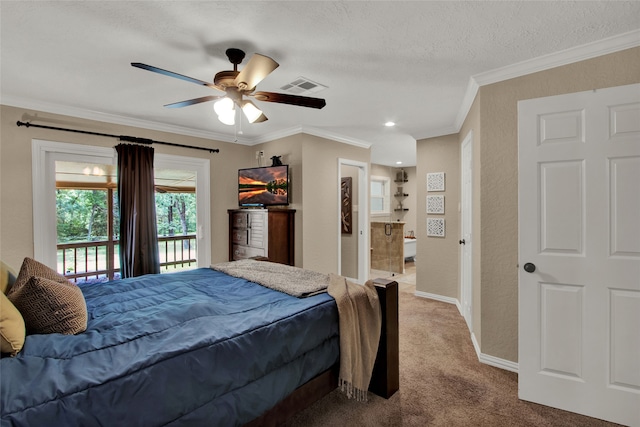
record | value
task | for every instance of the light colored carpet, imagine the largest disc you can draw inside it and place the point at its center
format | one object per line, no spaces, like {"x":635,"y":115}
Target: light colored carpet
{"x":441,"y":383}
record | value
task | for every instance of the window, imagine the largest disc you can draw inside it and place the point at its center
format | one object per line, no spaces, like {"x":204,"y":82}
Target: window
{"x":380,"y":195}
{"x":85,"y":196}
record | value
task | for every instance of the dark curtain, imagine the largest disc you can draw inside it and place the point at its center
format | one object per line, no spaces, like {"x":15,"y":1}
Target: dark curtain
{"x":136,"y":197}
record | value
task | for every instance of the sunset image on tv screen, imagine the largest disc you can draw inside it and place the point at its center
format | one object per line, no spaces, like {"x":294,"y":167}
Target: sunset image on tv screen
{"x":265,"y":186}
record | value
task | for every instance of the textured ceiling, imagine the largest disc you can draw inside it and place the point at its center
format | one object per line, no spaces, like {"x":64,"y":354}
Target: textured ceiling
{"x":409,"y":62}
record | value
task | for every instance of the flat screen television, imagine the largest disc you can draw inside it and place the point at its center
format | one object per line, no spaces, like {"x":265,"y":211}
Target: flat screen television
{"x":263,"y":186}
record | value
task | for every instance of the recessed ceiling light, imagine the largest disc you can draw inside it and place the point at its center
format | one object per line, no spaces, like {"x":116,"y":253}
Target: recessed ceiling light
{"x":398,"y":163}
{"x":389,"y":124}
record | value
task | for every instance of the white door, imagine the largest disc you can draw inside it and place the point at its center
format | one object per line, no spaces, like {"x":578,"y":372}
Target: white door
{"x":466,"y":197}
{"x":579,"y":227}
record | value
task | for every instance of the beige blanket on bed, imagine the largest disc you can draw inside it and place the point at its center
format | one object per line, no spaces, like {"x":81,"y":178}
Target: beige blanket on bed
{"x":360,"y":324}
{"x":291,"y":280}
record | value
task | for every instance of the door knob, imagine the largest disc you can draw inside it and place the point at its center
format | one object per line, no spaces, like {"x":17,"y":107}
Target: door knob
{"x":529,"y":267}
{"x":462,"y":242}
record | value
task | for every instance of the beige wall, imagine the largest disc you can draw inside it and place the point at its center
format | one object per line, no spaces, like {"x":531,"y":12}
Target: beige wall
{"x":499,"y":177}
{"x":493,"y":121}
{"x":320,"y":204}
{"x":437,"y":257}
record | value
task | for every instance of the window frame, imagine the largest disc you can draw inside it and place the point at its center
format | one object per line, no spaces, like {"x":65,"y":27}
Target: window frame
{"x":386,"y":196}
{"x":44,"y":155}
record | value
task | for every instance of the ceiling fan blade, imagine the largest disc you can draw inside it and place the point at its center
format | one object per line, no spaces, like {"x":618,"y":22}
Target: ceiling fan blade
{"x":302,"y":101}
{"x":172,"y":74}
{"x":193,"y":101}
{"x":258,"y":67}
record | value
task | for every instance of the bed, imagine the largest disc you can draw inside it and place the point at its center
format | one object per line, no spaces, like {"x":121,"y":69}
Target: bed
{"x":199,"y":347}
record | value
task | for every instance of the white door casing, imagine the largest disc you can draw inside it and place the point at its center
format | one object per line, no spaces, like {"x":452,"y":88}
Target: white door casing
{"x":466,"y":222}
{"x":579,"y":225}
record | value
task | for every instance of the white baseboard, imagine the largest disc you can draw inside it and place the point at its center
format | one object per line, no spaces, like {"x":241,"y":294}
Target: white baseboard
{"x":492,"y":360}
{"x":483,"y":358}
{"x":441,"y":298}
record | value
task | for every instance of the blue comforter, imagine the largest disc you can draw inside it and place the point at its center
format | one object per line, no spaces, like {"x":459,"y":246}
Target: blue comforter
{"x":190,"y":348}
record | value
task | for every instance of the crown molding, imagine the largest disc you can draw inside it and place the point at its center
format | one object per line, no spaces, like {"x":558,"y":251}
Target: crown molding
{"x":583,"y":52}
{"x":446,"y":130}
{"x":82,"y":113}
{"x":272,"y":136}
{"x":560,"y":58}
{"x":327,"y":134}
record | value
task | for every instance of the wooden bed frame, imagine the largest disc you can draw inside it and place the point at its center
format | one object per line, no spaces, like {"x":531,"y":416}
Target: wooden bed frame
{"x":385,"y":380}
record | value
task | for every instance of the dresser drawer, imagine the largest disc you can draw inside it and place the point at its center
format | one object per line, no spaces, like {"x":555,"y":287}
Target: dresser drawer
{"x":244,"y":252}
{"x":239,"y":220}
{"x":240,"y":236}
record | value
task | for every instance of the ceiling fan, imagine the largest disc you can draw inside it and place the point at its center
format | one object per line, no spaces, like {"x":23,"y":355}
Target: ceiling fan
{"x":237,"y":85}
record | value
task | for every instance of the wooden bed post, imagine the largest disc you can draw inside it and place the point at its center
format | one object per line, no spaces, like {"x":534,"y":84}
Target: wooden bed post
{"x":385,"y":380}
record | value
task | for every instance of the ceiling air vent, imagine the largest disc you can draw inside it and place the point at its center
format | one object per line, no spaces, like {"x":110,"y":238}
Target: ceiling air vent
{"x":303,"y":86}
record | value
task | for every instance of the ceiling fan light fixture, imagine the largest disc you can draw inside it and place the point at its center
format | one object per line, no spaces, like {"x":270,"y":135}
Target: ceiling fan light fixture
{"x":252,"y":112}
{"x":228,"y":118}
{"x":225,"y":109}
{"x":223,"y":106}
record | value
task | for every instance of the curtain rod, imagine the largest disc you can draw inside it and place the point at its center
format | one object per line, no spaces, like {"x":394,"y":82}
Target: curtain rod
{"x":120,"y":137}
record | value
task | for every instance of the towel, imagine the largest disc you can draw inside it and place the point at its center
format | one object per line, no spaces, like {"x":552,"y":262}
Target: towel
{"x":360,"y":320}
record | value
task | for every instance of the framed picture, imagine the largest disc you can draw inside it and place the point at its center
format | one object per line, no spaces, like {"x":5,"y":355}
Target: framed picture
{"x":435,"y":204}
{"x":435,"y":181}
{"x":346,"y":214}
{"x":435,"y":227}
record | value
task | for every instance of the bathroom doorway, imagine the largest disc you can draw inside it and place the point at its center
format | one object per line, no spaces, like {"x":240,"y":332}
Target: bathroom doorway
{"x":393,"y":221}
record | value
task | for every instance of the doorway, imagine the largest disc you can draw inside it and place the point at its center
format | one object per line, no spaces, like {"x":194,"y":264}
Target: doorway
{"x":353,"y":222}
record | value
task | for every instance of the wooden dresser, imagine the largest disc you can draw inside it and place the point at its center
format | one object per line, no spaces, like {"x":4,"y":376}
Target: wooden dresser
{"x":262,"y":233}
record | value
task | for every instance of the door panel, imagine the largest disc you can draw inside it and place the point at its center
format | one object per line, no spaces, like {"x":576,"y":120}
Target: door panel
{"x":562,"y":203}
{"x":579,"y":224}
{"x":562,"y":321}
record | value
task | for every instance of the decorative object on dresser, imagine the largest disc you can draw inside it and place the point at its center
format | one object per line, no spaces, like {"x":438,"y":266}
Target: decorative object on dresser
{"x":276,"y":160}
{"x":266,"y":233}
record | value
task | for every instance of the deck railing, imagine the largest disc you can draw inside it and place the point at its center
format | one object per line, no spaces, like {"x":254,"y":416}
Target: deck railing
{"x":99,"y":261}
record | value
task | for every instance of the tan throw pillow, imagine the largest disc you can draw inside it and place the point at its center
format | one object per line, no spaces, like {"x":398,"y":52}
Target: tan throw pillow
{"x":31,"y":267}
{"x":12,"y":330}
{"x":7,"y":277}
{"x":50,"y":307}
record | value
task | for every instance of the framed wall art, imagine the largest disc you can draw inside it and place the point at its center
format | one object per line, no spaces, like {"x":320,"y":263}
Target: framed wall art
{"x":346,"y":215}
{"x":435,"y":204}
{"x":435,"y":181}
{"x":435,"y":227}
